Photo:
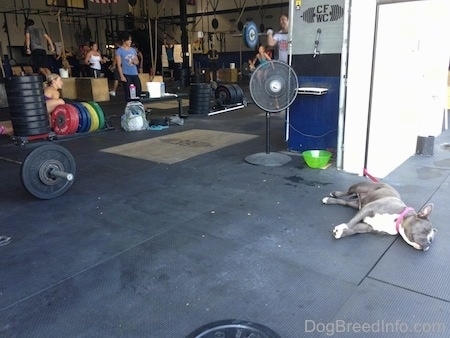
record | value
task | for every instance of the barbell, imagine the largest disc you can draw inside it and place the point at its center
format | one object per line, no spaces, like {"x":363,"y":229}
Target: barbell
{"x":250,"y":35}
{"x":47,"y":171}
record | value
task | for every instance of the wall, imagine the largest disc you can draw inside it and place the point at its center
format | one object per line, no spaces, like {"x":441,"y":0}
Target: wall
{"x":396,"y":81}
{"x":72,"y":26}
{"x":167,"y":17}
{"x":314,"y":119}
{"x":359,"y":72}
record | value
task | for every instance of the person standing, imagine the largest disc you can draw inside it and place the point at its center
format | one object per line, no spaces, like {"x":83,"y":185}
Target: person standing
{"x":280,"y":40}
{"x":213,"y":59}
{"x":35,"y":39}
{"x":261,"y":58}
{"x":140,"y":58}
{"x":94,"y":59}
{"x":170,"y":56}
{"x":113,"y":69}
{"x":126,"y":62}
{"x":83,"y":68}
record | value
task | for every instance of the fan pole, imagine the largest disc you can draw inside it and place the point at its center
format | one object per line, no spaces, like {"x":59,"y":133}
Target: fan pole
{"x":267,"y":132}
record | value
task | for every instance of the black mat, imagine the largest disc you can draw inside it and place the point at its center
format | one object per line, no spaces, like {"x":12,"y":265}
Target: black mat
{"x":389,"y":311}
{"x":141,"y":249}
{"x":174,"y":283}
{"x":401,"y":265}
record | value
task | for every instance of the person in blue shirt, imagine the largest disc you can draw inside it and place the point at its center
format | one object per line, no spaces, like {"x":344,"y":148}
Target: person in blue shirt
{"x":126,"y":62}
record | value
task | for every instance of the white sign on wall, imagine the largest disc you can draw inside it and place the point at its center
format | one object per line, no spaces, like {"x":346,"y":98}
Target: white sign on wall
{"x":318,"y":25}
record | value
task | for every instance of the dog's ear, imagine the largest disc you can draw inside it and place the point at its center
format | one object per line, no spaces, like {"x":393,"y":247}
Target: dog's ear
{"x":425,"y":211}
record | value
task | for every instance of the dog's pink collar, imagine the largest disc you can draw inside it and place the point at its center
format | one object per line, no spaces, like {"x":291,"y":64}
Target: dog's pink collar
{"x":401,"y":216}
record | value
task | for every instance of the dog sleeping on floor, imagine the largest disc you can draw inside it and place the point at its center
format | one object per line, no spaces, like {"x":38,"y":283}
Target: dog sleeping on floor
{"x":381,"y":210}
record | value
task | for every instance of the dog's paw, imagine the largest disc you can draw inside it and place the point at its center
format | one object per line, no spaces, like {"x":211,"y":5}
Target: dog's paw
{"x":325,"y":200}
{"x":339,"y":230}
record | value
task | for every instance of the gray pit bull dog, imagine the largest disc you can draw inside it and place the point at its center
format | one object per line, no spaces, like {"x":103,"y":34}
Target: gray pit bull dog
{"x":381,"y":210}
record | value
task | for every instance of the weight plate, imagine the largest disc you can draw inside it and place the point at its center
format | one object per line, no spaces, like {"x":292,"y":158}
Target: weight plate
{"x":26,"y":132}
{"x":17,"y":88}
{"x":250,"y":35}
{"x":215,"y":23}
{"x":29,"y":99}
{"x":76,"y":117}
{"x":64,"y":119}
{"x":35,"y":172}
{"x":18,"y":106}
{"x":239,"y":93}
{"x":24,"y":79}
{"x":87,"y":116}
{"x":34,"y":124}
{"x":225,"y":94}
{"x":101,"y":115}
{"x":93,"y":115}
{"x":233,"y":328}
{"x":31,"y":118}
{"x":29,"y":113}
{"x":27,"y":90}
{"x":82,"y":119}
{"x":240,"y":26}
{"x":85,"y":123}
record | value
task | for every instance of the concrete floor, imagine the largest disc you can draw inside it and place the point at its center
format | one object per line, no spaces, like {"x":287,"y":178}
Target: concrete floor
{"x":137,"y":248}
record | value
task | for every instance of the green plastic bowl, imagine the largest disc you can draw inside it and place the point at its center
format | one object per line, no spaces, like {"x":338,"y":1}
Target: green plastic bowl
{"x":316,"y":159}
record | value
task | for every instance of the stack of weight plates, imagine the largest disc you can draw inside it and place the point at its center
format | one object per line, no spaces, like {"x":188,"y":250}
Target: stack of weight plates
{"x":77,"y":117}
{"x":200,"y":98}
{"x":229,"y":94}
{"x":27,"y":105}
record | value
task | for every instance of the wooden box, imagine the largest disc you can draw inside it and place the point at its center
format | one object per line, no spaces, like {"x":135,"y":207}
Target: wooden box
{"x":92,"y":89}
{"x":145,"y":77}
{"x":69,"y":89}
{"x":228,"y":75}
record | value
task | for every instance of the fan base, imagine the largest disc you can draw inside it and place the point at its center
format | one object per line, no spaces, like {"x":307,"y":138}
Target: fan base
{"x":268,"y":159}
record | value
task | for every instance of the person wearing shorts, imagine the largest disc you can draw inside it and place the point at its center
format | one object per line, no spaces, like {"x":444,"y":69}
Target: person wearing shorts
{"x":35,"y":39}
{"x":170,"y":57}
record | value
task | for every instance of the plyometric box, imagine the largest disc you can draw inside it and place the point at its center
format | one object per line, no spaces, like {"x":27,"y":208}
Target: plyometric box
{"x":69,"y":89}
{"x":147,"y":78}
{"x":228,"y":75}
{"x":92,"y":89}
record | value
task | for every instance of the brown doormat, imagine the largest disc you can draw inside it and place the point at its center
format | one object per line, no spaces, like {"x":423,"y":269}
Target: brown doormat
{"x":178,"y":147}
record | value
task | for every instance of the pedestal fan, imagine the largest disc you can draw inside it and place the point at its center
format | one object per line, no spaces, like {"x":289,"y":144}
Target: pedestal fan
{"x":273,"y":88}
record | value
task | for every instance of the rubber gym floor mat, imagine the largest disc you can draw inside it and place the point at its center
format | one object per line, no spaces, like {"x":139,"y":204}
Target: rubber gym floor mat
{"x":299,"y":234}
{"x":388,"y":311}
{"x":180,"y":146}
{"x":401,"y":264}
{"x":174,"y":283}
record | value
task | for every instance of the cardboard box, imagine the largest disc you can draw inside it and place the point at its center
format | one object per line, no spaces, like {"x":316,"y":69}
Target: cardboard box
{"x":92,"y":89}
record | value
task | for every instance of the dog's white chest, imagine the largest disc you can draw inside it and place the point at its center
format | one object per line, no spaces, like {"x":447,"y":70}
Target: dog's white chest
{"x":383,"y":223}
